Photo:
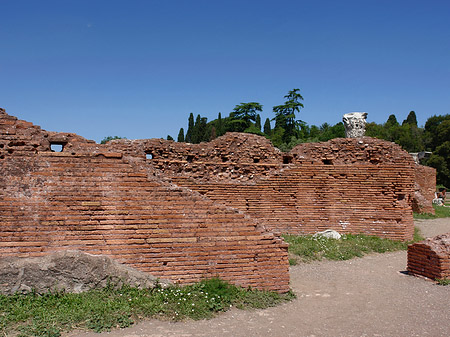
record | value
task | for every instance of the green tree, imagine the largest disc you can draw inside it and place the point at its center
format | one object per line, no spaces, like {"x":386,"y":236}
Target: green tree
{"x":285,"y":114}
{"x":169,"y":137}
{"x":246,"y":111}
{"x":392,"y":121}
{"x":180,"y":138}
{"x":243,"y":115}
{"x":220,"y":129}
{"x":258,"y":122}
{"x":190,"y":131}
{"x":411,"y":119}
{"x":440,"y":160}
{"x":328,"y":132}
{"x":107,"y":139}
{"x":267,"y":127}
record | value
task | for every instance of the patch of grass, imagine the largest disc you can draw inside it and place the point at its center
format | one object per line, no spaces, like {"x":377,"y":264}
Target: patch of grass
{"x":309,"y":248}
{"x":293,"y":261}
{"x":443,"y":281}
{"x":440,"y":212}
{"x":111,"y":307}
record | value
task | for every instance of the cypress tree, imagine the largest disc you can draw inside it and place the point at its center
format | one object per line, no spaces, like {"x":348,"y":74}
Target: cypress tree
{"x":267,"y":127}
{"x":258,"y":122}
{"x":220,"y":129}
{"x":180,"y":138}
{"x":411,"y":119}
{"x":190,"y":131}
{"x":169,"y":137}
{"x":196,"y":136}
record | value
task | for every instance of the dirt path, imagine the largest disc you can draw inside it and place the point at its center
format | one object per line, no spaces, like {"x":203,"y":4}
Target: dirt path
{"x":370,"y":296}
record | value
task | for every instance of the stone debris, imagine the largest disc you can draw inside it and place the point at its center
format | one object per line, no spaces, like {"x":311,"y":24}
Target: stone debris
{"x":71,"y":271}
{"x":329,"y":234}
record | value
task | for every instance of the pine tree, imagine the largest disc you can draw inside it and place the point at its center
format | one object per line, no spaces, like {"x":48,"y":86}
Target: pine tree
{"x":285,"y":114}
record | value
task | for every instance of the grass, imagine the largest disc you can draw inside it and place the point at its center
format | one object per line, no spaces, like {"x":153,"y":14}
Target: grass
{"x":309,"y":248}
{"x":443,"y":281}
{"x":102,"y":310}
{"x":440,"y":212}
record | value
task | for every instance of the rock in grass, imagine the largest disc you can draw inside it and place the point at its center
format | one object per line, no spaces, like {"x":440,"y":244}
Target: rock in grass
{"x":329,"y":234}
{"x":71,"y":271}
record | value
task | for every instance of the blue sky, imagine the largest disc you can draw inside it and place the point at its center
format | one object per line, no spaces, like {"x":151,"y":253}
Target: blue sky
{"x":138,"y":68}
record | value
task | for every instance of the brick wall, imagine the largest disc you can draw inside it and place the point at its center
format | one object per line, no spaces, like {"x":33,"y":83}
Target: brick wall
{"x":350,"y":185}
{"x":424,"y":189}
{"x":431,"y":257}
{"x":99,"y":202}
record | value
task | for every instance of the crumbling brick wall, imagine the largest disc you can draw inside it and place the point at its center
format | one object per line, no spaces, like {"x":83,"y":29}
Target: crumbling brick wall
{"x":95,"y":200}
{"x":350,"y":185}
{"x":424,"y":189}
{"x":431,"y":257}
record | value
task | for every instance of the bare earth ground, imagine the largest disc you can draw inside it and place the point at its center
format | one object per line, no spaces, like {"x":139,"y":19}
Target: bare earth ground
{"x":370,"y":296}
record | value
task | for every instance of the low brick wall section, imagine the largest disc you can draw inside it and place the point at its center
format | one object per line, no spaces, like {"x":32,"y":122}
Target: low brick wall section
{"x":431,"y":257}
{"x":98,"y":202}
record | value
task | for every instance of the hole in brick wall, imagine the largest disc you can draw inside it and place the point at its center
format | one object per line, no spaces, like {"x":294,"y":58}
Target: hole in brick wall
{"x":56,"y":147}
{"x":2,"y":157}
{"x":10,"y":151}
{"x":327,"y":162}
{"x":149,"y":156}
{"x":287,"y":159}
{"x":190,"y":158}
{"x":256,"y":160}
{"x":2,"y":146}
{"x":224,"y":159}
{"x":400,"y":197}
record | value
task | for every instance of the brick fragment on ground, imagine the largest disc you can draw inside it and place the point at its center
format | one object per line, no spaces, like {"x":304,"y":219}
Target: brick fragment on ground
{"x":431,"y":257}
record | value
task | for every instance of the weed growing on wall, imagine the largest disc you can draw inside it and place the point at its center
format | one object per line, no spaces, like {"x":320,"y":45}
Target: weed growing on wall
{"x":309,"y":248}
{"x":50,"y":314}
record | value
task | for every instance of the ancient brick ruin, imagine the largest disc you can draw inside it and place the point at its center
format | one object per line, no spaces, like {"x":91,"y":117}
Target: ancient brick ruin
{"x":185,"y":212}
{"x":360,"y":185}
{"x":430,"y":258}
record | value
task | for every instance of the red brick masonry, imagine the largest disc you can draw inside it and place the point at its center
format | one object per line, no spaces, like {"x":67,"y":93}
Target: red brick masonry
{"x":101,"y":204}
{"x":425,"y":188}
{"x":184,"y":212}
{"x":351,"y":185}
{"x":431,"y":257}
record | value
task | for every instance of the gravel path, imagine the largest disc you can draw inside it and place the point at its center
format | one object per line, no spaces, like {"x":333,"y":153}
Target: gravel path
{"x":370,"y":296}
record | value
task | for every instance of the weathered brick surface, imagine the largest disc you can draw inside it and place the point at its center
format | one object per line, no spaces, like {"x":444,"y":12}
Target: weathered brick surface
{"x":431,"y":257}
{"x":183,"y":211}
{"x":99,"y":202}
{"x":351,"y":185}
{"x":424,"y":189}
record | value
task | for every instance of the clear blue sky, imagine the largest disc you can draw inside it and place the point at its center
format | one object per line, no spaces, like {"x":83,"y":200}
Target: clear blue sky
{"x":138,"y":68}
